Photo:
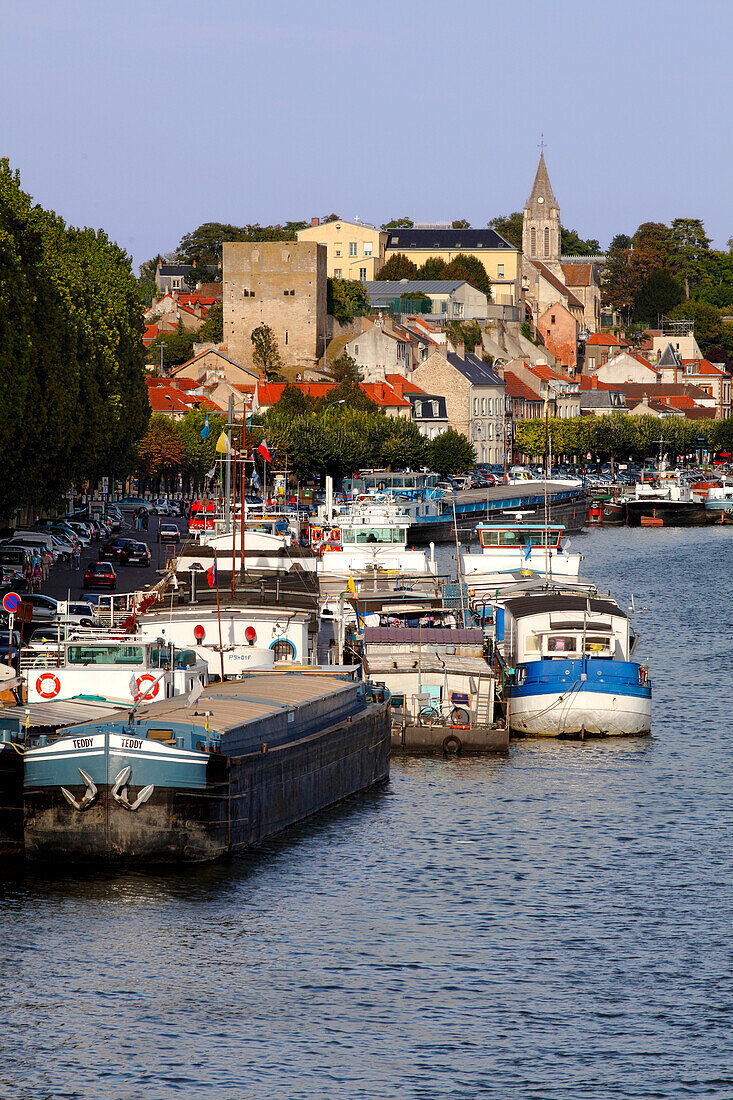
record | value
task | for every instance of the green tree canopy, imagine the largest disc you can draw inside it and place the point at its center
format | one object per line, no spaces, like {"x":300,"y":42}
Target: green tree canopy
{"x":451,"y":453}
{"x":397,"y":267}
{"x":708,"y":324}
{"x":472,"y":270}
{"x":573,"y":245}
{"x":212,"y":330}
{"x":460,"y":223}
{"x":347,"y":299}
{"x":690,"y":251}
{"x":399,"y":223}
{"x":509,"y":226}
{"x":266,"y":352}
{"x":658,"y":294}
{"x":434,"y":267}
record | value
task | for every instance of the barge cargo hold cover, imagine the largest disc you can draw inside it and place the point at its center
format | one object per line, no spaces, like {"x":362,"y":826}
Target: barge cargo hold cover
{"x":173,"y":781}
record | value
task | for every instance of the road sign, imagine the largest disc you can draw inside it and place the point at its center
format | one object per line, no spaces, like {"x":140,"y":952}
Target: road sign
{"x":11,"y":602}
{"x":105,"y":484}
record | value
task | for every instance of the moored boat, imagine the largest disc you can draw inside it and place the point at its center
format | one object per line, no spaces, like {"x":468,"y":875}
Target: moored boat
{"x":192,"y":780}
{"x":573,"y":669}
{"x":509,"y":548}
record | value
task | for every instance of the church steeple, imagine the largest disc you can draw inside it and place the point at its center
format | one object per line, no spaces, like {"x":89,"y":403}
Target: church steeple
{"x":541,"y":226}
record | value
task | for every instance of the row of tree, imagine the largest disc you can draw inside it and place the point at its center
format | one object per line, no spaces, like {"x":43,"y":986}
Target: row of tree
{"x":73,"y":398}
{"x":463,"y":267}
{"x":623,"y":436}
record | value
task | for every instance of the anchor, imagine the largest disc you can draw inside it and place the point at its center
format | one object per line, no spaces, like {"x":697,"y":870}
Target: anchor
{"x":119,"y":791}
{"x":88,"y":797}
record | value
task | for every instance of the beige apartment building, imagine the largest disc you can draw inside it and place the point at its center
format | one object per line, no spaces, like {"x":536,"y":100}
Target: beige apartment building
{"x":355,"y":250}
{"x":281,"y":284}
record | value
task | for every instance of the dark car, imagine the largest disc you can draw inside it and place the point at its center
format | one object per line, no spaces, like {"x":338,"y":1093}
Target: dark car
{"x":100,"y":574}
{"x":113,"y":548}
{"x":135,"y":553}
{"x":5,"y":645}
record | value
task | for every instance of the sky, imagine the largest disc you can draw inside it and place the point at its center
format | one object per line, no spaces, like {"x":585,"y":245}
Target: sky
{"x":148,"y":119}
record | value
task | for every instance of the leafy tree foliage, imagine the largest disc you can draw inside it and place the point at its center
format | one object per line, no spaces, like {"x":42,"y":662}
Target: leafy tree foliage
{"x":651,"y":249}
{"x":293,"y":402}
{"x":620,"y":435}
{"x":345,"y":369}
{"x":509,"y":226}
{"x":161,"y":449}
{"x":399,"y":223}
{"x":212,"y":330}
{"x":73,"y":398}
{"x":347,"y":299}
{"x":472,"y":270}
{"x":398,"y":266}
{"x":349,"y":393}
{"x":460,"y":223}
{"x":435,"y":267}
{"x":708,"y":324}
{"x":176,"y":348}
{"x":467,"y":333}
{"x":690,"y":249}
{"x":204,"y":244}
{"x":658,"y":294}
{"x":266,"y":353}
{"x":621,"y":242}
{"x":451,"y":453}
{"x":573,"y":245}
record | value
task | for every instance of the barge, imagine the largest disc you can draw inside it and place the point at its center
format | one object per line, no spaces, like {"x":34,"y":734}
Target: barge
{"x":189,"y":780}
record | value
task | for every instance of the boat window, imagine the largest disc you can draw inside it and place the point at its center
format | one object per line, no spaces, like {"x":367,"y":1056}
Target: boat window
{"x":374,"y":534}
{"x":598,"y":646}
{"x":561,"y":643}
{"x":283,"y":650}
{"x":399,"y":534}
{"x":347,"y":534}
{"x":104,"y":655}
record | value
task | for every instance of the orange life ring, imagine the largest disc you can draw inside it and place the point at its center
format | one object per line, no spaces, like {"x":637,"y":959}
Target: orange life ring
{"x":46,"y":678}
{"x":147,"y":679}
{"x":316,"y":534}
{"x":335,"y":535}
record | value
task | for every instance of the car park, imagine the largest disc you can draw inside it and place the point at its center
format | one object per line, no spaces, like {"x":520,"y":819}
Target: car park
{"x":100,"y":574}
{"x":168,"y":532}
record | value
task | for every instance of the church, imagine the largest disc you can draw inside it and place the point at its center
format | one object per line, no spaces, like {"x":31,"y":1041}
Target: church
{"x":563,"y":293}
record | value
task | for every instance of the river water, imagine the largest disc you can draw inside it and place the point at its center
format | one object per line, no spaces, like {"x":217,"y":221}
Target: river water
{"x":557,"y":924}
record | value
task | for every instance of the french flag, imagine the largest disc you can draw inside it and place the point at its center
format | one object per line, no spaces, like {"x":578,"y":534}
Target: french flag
{"x":211,"y":575}
{"x":264,"y":451}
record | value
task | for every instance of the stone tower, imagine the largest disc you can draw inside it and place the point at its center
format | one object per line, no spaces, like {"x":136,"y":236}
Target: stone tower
{"x":541,"y":226}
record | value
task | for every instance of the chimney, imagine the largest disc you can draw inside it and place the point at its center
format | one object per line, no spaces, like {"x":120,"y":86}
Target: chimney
{"x":594,"y":382}
{"x":461,"y":351}
{"x":315,"y":221}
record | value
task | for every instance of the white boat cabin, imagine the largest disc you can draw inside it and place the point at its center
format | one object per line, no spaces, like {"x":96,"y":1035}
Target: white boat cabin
{"x":563,"y":627}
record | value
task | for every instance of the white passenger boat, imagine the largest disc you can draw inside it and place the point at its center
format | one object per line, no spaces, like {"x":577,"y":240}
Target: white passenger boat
{"x":719,"y":499}
{"x":268,"y":544}
{"x":573,"y":672}
{"x":121,"y":669}
{"x":511,"y":548}
{"x":370,"y":538}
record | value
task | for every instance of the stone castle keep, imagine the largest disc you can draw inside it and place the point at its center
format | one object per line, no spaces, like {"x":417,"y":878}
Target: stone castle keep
{"x":281,"y":284}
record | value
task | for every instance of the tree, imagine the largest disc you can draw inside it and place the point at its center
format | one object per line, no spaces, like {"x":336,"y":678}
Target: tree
{"x":451,"y":453}
{"x":658,"y":294}
{"x":467,"y":333}
{"x":347,"y":299}
{"x":470,"y":269}
{"x":293,"y":402}
{"x":690,"y":250}
{"x":404,"y":447}
{"x":265,"y":351}
{"x":619,"y":281}
{"x":161,"y":449}
{"x":620,"y":243}
{"x":651,"y":249}
{"x":509,"y":226}
{"x":212,"y":330}
{"x":345,"y":369}
{"x":330,"y":218}
{"x":348,"y":393}
{"x":434,"y":267}
{"x":460,"y":223}
{"x":399,"y":223}
{"x":397,"y":267}
{"x":204,"y":244}
{"x":573,"y":245}
{"x":177,"y":348}
{"x":708,"y":323}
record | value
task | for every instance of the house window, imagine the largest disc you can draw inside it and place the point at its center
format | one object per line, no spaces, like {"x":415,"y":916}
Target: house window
{"x":286,"y":336}
{"x":500,"y":271}
{"x":367,"y":248}
{"x":443,"y":307}
{"x":338,"y":251}
{"x":552,"y":319}
{"x":547,"y":242}
{"x":475,"y":406}
{"x":175,"y":283}
{"x":483,"y":406}
{"x":338,"y":273}
{"x":356,"y":349}
{"x":363,"y":274}
{"x":435,"y":408}
{"x":352,"y":248}
{"x":533,"y":241}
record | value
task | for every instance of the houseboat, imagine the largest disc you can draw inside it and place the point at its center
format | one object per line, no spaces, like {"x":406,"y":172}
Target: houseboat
{"x":573,"y":668}
{"x":370,"y":538}
{"x":188,"y":780}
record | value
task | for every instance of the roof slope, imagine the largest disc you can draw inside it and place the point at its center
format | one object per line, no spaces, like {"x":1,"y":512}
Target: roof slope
{"x":453,"y":240}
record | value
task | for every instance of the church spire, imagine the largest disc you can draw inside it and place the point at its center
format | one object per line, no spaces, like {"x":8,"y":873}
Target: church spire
{"x":542,"y":187}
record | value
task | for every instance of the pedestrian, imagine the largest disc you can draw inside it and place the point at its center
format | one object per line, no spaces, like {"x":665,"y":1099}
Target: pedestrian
{"x":46,"y":562}
{"x":145,"y":519}
{"x":76,"y":555}
{"x":37,"y":574}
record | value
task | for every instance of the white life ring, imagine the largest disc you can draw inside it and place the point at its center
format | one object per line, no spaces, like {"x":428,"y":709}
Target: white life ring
{"x":48,"y":686}
{"x":144,"y":693}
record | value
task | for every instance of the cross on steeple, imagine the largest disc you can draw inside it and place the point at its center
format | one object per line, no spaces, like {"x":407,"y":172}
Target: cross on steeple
{"x":542,"y":146}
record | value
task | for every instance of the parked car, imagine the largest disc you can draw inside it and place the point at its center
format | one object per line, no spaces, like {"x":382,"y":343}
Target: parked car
{"x":5,"y":643}
{"x":169,"y":533}
{"x":45,"y":608}
{"x":164,"y":508}
{"x":100,"y":574}
{"x":131,"y":504}
{"x":113,"y":548}
{"x":135,"y":553}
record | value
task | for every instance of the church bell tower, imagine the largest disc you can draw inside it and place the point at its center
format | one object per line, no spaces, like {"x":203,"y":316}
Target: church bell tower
{"x":541,"y":226}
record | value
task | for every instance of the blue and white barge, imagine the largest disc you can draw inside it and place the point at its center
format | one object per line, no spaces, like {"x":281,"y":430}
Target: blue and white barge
{"x":193,"y":779}
{"x":573,"y":667}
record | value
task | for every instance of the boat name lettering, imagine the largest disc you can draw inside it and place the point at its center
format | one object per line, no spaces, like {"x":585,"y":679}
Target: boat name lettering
{"x":130,"y":743}
{"x":83,"y":743}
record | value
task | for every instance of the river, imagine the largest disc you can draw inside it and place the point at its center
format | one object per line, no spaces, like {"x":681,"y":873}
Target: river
{"x":552,"y":925}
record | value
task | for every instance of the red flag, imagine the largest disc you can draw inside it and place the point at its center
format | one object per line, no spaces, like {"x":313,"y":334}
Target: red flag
{"x":263,"y":450}
{"x":211,"y":575}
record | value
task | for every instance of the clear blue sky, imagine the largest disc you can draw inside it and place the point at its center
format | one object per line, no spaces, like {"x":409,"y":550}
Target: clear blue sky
{"x":147,"y":119}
